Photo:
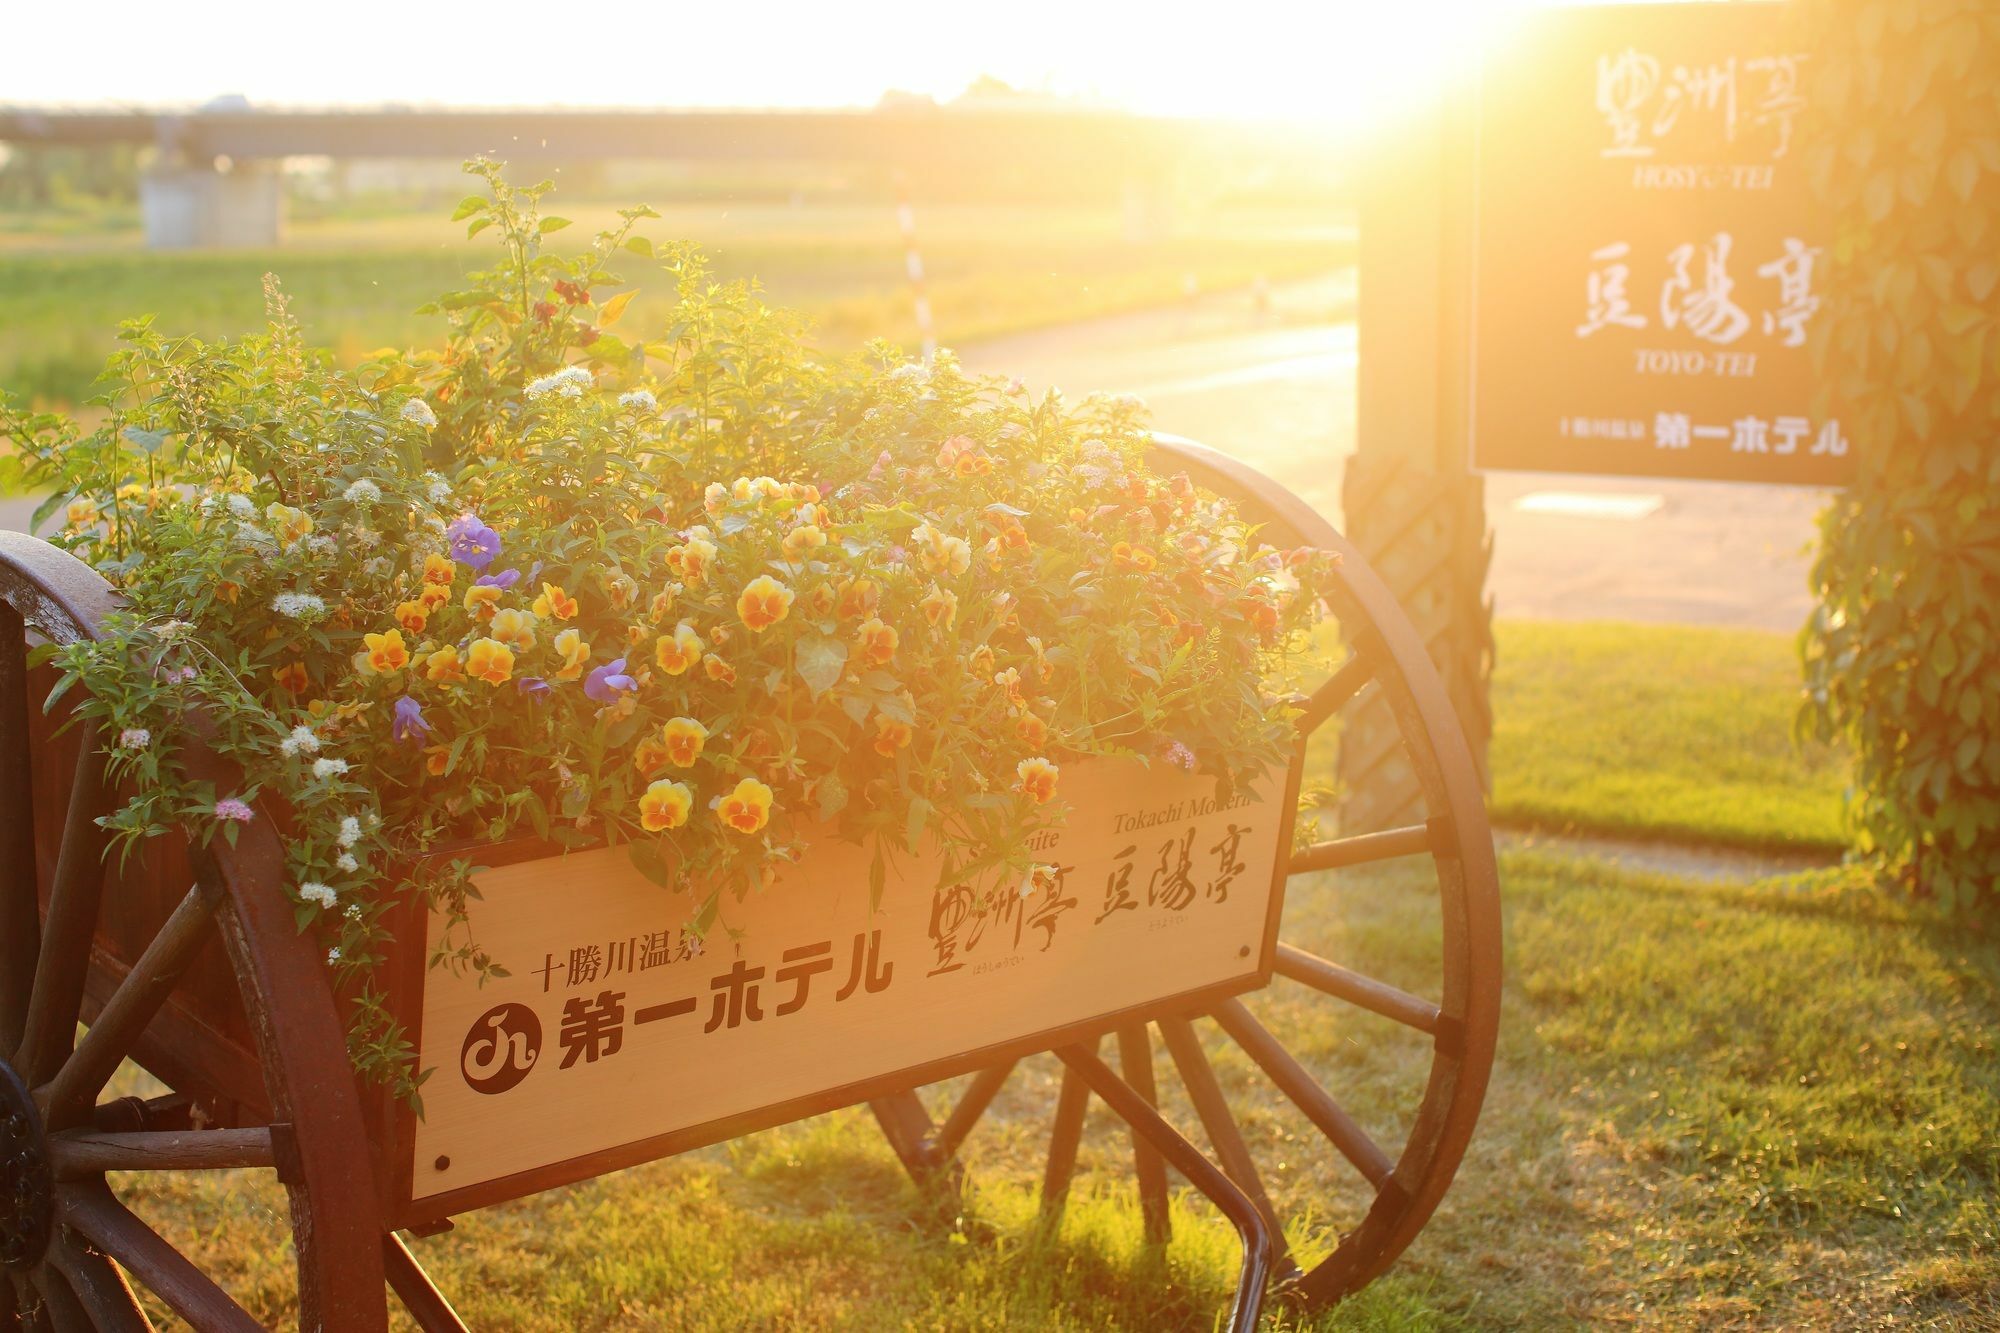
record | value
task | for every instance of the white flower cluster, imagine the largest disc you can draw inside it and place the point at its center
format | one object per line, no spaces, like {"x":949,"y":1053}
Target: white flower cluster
{"x":329,"y":768}
{"x":299,"y":606}
{"x":350,"y":831}
{"x":418,"y":412}
{"x":569,"y":382}
{"x":257,"y":539}
{"x":302,"y":740}
{"x":347,"y":863}
{"x":134,"y":738}
{"x":440,"y":491}
{"x":242,"y":505}
{"x":639,"y":400}
{"x":362,"y":492}
{"x":313,"y":891}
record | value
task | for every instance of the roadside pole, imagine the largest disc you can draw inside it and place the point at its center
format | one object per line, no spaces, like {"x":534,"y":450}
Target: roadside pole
{"x":1411,"y":502}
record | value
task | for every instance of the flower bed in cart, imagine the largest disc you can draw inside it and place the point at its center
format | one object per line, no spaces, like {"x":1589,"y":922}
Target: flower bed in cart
{"x":613,"y":691}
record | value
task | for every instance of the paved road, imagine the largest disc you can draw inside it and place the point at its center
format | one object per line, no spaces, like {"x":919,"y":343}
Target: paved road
{"x":1277,"y":388}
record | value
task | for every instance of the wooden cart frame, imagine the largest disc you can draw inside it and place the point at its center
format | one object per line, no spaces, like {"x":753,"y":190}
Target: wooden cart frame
{"x":214,"y":991}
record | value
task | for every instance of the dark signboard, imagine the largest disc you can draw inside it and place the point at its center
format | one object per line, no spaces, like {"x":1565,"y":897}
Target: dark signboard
{"x":1647,"y":266}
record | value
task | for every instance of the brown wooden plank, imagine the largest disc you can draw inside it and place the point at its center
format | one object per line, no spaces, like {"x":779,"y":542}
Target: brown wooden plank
{"x":78,"y":1153}
{"x":188,"y":1292}
{"x":1377,"y":997}
{"x":1296,"y":1082}
{"x":1135,"y":1064}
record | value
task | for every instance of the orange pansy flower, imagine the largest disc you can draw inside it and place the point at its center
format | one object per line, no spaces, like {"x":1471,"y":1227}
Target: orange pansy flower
{"x":489,"y":660}
{"x":683,"y":738}
{"x":1037,"y":779}
{"x":763,"y":603}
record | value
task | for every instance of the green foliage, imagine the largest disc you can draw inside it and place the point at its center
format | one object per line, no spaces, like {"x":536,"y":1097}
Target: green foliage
{"x":1903,"y":655}
{"x":695,"y":590}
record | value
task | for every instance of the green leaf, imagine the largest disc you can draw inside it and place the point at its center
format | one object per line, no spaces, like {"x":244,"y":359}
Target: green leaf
{"x":147,"y":440}
{"x":47,"y":507}
{"x":820,"y":660}
{"x":551,"y":224}
{"x":639,"y":245}
{"x":913,"y":827}
{"x":472,"y":203}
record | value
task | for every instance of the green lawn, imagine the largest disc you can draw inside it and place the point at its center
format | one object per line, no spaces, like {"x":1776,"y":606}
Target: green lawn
{"x":356,"y":282}
{"x":1658,"y":731}
{"x":1763,"y":1106}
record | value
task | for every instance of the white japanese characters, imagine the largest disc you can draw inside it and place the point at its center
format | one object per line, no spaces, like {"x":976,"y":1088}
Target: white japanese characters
{"x":1644,"y":102}
{"x":1698,"y":293}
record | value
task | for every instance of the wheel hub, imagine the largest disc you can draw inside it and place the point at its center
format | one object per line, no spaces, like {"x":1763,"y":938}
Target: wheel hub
{"x":27,"y":1188}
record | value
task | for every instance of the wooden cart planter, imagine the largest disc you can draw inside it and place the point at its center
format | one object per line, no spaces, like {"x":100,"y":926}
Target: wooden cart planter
{"x":617,"y":1040}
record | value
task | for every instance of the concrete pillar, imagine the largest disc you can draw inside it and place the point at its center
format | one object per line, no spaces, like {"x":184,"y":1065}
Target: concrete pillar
{"x":200,"y":207}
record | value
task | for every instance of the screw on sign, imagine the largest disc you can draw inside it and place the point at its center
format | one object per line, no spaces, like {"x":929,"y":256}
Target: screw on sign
{"x":500,"y":1048}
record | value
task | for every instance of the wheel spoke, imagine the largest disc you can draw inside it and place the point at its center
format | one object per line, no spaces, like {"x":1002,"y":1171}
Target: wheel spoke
{"x":68,"y":1096}
{"x":413,"y":1286}
{"x":1363,"y":848}
{"x":187,"y":1291}
{"x":986,"y":1085}
{"x":1064,"y":1135}
{"x":64,"y":956}
{"x":1332,"y":696}
{"x":99,"y":1287}
{"x":1296,"y":1083}
{"x":1378,"y":997}
{"x":77,"y":1153}
{"x":60,"y":1307}
{"x":1243,"y":1214}
{"x":1135,"y":1063}
{"x":1223,"y":1133}
{"x":20,"y":914}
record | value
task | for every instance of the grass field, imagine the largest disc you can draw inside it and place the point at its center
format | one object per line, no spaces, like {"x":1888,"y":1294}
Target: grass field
{"x":1758,"y":1106}
{"x":356,"y":282}
{"x":1660,"y":731}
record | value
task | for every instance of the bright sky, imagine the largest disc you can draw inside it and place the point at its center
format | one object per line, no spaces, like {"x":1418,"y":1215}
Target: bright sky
{"x":1335,"y":61}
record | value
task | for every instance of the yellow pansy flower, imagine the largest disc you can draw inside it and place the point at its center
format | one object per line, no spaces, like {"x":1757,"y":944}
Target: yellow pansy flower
{"x":665,"y":805}
{"x":573,"y":651}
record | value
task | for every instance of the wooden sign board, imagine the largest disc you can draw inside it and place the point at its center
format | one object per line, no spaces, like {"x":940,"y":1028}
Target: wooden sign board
{"x":621,"y":1037}
{"x":1647,"y":266}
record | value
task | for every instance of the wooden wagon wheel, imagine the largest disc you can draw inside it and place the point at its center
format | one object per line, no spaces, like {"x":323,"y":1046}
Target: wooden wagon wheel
{"x":67,"y":1242}
{"x":1461,"y":1023}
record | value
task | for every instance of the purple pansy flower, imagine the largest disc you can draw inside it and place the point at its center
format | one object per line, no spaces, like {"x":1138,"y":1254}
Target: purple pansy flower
{"x":472,"y":542}
{"x":409,"y":724}
{"x":506,"y":578}
{"x":532,"y":686}
{"x":609,"y":681}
